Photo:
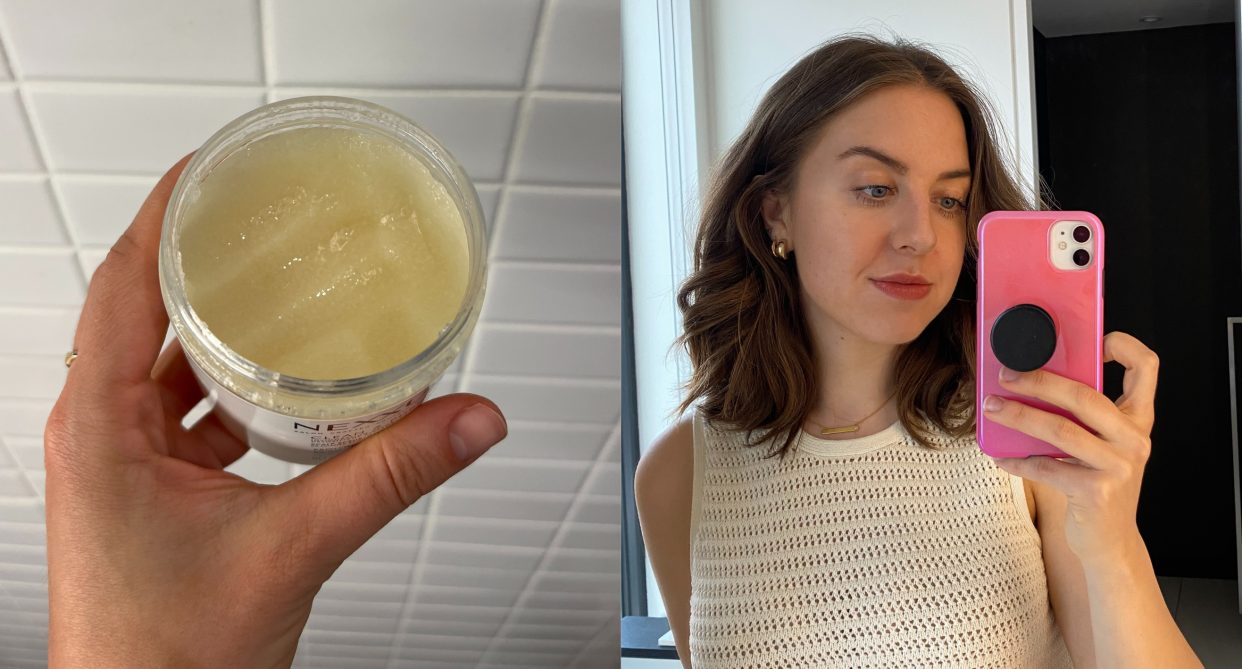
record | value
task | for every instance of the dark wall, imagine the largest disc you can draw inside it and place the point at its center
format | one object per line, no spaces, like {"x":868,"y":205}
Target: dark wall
{"x":1140,"y":128}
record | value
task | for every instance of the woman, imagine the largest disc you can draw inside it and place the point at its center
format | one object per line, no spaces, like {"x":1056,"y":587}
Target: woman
{"x":863,"y":173}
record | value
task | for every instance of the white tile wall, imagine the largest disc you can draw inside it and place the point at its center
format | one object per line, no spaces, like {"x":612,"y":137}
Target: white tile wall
{"x":514,"y":562}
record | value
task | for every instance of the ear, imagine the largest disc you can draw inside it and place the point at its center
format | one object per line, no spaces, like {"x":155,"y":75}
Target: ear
{"x":775,"y":211}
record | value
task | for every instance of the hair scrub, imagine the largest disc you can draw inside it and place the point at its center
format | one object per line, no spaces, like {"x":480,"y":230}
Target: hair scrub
{"x":322,"y":263}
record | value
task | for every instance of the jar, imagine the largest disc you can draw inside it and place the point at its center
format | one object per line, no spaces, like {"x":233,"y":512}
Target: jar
{"x":307,"y":421}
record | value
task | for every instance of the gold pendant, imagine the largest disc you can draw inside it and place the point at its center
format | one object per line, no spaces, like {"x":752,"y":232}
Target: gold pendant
{"x":836,"y":430}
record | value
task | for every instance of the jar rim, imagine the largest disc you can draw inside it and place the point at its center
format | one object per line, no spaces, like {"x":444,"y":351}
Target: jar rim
{"x":259,"y":384}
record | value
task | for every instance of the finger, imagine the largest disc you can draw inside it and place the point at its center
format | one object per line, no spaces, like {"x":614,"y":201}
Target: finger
{"x":123,"y":321}
{"x":344,"y":501}
{"x":208,"y":443}
{"x":172,"y":371}
{"x":1057,"y":430}
{"x":1064,"y":476}
{"x":1138,"y":386}
{"x":1090,"y":406}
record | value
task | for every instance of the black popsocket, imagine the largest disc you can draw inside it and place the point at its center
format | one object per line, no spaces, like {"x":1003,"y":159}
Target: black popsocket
{"x":1024,"y":338}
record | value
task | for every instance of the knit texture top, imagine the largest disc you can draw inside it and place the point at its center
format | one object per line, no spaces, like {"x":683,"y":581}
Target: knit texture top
{"x":866,"y":552}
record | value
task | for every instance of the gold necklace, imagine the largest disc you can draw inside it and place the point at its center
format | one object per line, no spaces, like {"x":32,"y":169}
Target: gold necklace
{"x":854,"y":427}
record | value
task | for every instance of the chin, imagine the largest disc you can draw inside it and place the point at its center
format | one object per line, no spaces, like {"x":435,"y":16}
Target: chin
{"x":897,"y":329}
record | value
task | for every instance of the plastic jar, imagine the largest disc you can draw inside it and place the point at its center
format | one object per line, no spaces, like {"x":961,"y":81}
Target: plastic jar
{"x":298,"y":420}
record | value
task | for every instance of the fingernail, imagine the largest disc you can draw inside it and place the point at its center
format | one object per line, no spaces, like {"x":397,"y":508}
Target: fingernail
{"x":1009,"y":374}
{"x":475,"y":430}
{"x":993,"y":403}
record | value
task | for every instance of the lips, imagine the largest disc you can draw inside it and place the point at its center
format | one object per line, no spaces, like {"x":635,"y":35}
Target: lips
{"x":903,"y":286}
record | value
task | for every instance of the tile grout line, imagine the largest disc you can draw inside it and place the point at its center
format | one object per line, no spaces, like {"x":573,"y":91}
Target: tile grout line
{"x":520,"y":125}
{"x":520,"y":122}
{"x":35,"y":133}
{"x":26,"y":476}
{"x":267,"y":47}
{"x":561,"y":531}
{"x":416,"y":572}
{"x":615,"y":619}
{"x":42,"y":502}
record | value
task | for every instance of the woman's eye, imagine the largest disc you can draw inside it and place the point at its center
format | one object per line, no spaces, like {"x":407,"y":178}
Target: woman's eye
{"x":868,"y":190}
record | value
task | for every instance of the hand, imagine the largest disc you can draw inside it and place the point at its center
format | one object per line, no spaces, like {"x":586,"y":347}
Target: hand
{"x":158,"y":558}
{"x":1101,"y":480}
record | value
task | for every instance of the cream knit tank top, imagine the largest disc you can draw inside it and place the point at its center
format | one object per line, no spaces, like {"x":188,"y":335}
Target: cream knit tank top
{"x":867,"y":552}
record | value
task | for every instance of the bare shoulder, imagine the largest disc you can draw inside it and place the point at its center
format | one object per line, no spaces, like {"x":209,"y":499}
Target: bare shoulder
{"x":665,"y":473}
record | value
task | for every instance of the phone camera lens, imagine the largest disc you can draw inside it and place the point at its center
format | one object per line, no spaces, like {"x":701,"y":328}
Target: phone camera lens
{"x":1081,"y":257}
{"x":1082,"y":233}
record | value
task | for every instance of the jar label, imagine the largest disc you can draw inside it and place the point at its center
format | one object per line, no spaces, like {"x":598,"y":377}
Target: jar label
{"x":299,"y":440}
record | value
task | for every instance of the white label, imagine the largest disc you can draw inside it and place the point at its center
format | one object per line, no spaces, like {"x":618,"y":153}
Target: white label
{"x":300,"y":440}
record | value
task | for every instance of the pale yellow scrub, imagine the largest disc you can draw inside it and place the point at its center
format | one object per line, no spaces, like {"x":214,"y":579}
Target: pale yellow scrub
{"x":324,"y":253}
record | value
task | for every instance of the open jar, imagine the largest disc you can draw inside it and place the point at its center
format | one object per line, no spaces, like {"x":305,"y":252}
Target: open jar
{"x":286,"y":416}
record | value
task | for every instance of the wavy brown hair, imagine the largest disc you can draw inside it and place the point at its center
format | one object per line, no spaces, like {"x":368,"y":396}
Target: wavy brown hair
{"x":743,"y":321}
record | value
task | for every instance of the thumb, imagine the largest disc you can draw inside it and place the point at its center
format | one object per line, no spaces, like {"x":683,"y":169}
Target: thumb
{"x":345,"y":500}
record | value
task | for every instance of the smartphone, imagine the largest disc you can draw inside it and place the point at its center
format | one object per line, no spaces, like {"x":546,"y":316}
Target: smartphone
{"x":1040,"y":305}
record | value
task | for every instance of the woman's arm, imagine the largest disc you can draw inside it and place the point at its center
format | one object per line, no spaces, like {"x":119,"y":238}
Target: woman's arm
{"x":663,"y":486}
{"x":1095,"y":509}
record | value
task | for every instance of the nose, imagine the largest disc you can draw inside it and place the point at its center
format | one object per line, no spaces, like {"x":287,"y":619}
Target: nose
{"x":914,"y":231}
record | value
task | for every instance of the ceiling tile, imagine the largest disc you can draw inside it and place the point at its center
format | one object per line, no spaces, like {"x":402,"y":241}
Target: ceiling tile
{"x":416,"y":43}
{"x":503,"y":504}
{"x":28,"y":213}
{"x":23,"y":418}
{"x":493,"y":473}
{"x":32,"y":377}
{"x":504,"y":579}
{"x":545,"y":351}
{"x":260,"y":468}
{"x":599,"y":509}
{"x":569,"y":559}
{"x":583,"y":49}
{"x":565,"y":441}
{"x":476,"y":127}
{"x":553,"y":294}
{"x":37,"y":332}
{"x":529,"y":533}
{"x":100,"y":209}
{"x":562,"y":224}
{"x":477,"y":555}
{"x":524,"y":398}
{"x":146,"y":132}
{"x":135,"y":40}
{"x":19,"y":154}
{"x":572,"y":141}
{"x":91,"y":259}
{"x":40,"y":278}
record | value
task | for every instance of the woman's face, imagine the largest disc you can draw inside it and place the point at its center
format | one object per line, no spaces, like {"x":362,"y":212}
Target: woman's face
{"x":879,"y":193}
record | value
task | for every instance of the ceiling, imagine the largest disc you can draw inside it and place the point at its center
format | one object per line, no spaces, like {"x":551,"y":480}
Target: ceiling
{"x":1059,"y":18}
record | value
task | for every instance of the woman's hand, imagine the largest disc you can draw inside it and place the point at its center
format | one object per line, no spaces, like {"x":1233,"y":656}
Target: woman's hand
{"x":1102,"y":479}
{"x":157,"y":557}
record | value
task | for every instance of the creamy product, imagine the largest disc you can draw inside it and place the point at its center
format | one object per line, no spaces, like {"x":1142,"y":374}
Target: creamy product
{"x":324,"y":253}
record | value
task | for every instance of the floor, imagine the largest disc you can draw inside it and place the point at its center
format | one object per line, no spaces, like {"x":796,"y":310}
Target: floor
{"x":1206,"y":610}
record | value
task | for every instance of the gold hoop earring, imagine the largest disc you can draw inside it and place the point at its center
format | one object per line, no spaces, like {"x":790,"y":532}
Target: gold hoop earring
{"x":778,"y":249}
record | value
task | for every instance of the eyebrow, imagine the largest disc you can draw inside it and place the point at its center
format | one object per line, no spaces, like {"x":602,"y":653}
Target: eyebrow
{"x":892,"y":162}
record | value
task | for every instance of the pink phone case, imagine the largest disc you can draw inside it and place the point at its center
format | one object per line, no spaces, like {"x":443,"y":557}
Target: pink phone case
{"x":1015,"y":268}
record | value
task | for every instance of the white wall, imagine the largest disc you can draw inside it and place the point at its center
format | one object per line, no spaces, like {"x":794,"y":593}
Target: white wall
{"x":694,"y":71}
{"x":750,"y":44}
